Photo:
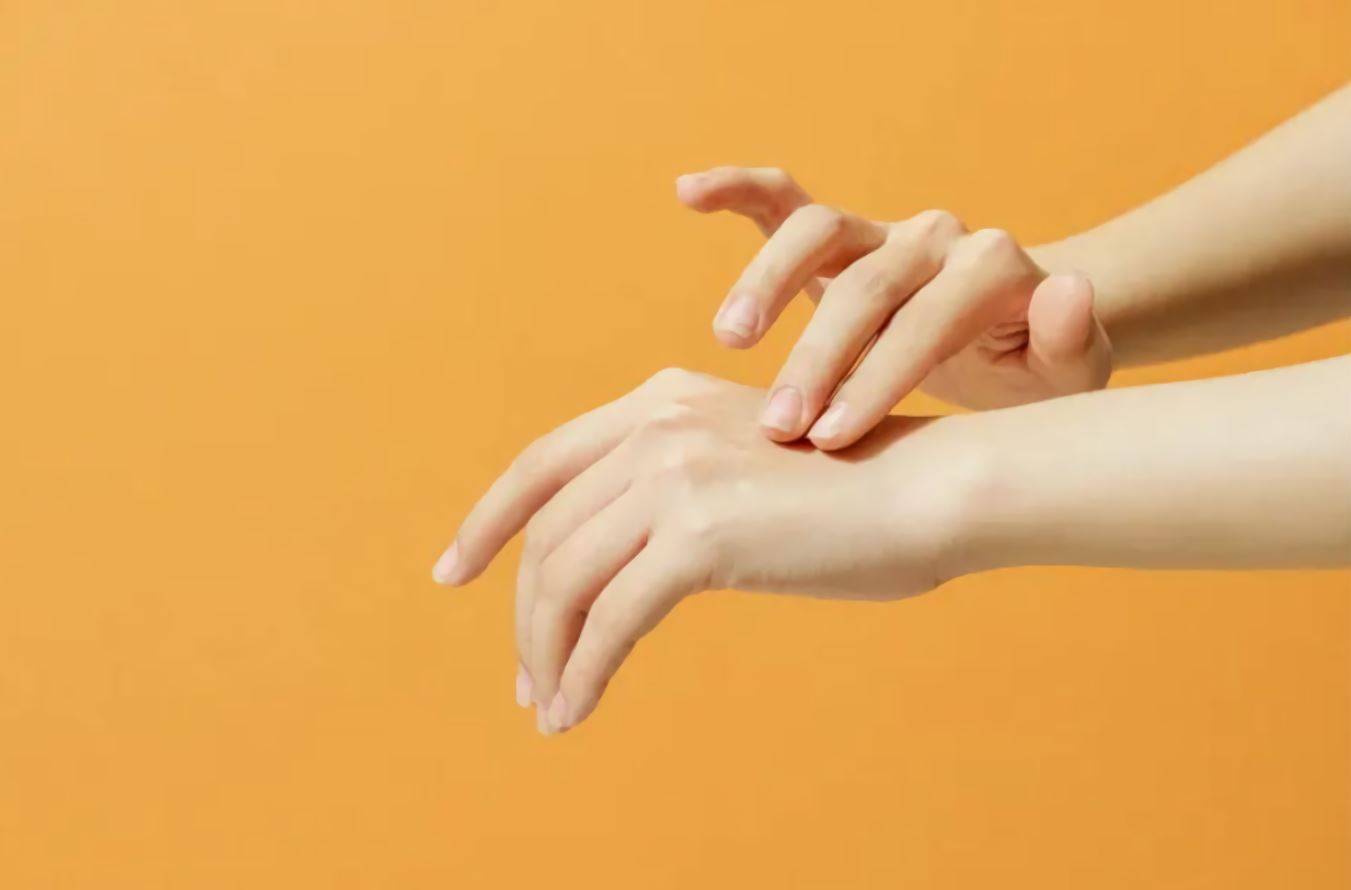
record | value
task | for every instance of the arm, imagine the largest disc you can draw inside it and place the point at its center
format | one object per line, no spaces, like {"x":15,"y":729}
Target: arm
{"x":1250,"y":471}
{"x":1256,"y":247}
{"x":669,"y":491}
{"x":969,"y":316}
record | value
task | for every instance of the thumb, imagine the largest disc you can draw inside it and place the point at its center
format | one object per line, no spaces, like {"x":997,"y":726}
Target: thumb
{"x":1067,"y":345}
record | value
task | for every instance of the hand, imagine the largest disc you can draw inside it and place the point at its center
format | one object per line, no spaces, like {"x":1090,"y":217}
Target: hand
{"x":969,"y":316}
{"x":669,"y":491}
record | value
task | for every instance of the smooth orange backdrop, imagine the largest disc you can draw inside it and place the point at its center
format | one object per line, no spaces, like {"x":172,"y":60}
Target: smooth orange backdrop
{"x":287,"y":283}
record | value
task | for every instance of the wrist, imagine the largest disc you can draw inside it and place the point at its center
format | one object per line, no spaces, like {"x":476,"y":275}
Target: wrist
{"x":951,"y":483}
{"x":995,"y":513}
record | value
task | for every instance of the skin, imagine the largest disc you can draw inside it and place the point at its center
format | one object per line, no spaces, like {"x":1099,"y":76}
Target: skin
{"x":672,"y":490}
{"x":969,"y":315}
{"x":1255,"y":247}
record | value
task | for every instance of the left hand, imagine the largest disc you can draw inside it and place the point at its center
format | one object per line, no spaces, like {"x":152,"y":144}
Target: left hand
{"x":671,"y":490}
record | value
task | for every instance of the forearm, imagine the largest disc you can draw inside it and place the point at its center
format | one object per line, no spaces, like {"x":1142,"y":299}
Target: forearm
{"x":1255,"y":247}
{"x":1238,"y":472}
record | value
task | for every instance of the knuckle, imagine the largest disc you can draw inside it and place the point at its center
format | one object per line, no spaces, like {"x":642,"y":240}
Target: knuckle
{"x":669,"y":379}
{"x":937,"y":224}
{"x":531,"y":461}
{"x":663,"y":423}
{"x":778,"y":178}
{"x":673,"y":385}
{"x":880,"y":285}
{"x":555,"y":589}
{"x":819,"y":217}
{"x":611,"y":626}
{"x":532,"y":539}
{"x":991,"y":246}
{"x":548,"y":607}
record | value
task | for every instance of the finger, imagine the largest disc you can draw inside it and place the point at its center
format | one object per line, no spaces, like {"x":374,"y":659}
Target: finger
{"x":764,"y":195}
{"x":525,"y":602}
{"x":524,"y":688}
{"x":984,"y":279}
{"x":630,"y":606}
{"x":578,"y":501}
{"x":534,"y":477}
{"x":855,"y":307}
{"x":1067,"y":345}
{"x":571,"y":578}
{"x":814,"y":240}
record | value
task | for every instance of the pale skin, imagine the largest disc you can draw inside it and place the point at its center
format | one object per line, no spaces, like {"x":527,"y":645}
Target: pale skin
{"x":671,"y":490}
{"x":1255,"y":247}
{"x":690,"y":483}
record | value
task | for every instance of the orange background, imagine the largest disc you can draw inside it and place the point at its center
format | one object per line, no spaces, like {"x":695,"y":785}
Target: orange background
{"x":286,"y":283}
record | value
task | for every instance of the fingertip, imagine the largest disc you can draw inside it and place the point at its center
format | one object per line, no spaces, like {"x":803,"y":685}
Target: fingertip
{"x":778,"y":435}
{"x":1060,"y":315}
{"x":449,"y":568}
{"x":732,"y":339}
{"x":579,"y":702}
{"x":737,"y":324}
{"x":781,"y":418}
{"x":688,"y":188}
{"x":830,"y":432}
{"x":834,"y":444}
{"x":558,"y":715}
{"x":524,"y":687}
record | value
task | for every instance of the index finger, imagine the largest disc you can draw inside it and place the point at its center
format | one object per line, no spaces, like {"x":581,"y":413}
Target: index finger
{"x":764,"y":195}
{"x":535,"y":476}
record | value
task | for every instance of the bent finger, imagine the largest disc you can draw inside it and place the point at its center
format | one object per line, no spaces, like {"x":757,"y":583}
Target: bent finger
{"x":534,"y":476}
{"x":814,"y":241}
{"x":764,"y":195}
{"x":855,"y":307}
{"x":546,"y":466}
{"x":569,"y":581}
{"x":576,"y":503}
{"x":630,"y":606}
{"x":979,"y":285}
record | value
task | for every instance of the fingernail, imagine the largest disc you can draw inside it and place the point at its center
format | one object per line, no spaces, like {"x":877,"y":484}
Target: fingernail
{"x":542,"y":722}
{"x":523,"y":686}
{"x":1067,"y":279}
{"x":783,"y":410}
{"x":687,"y":187}
{"x":829,"y":424}
{"x":558,"y":713}
{"x":444,"y":570}
{"x":739,"y":317}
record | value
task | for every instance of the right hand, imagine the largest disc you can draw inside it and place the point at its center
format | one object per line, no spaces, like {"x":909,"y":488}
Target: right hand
{"x":970,"y":317}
